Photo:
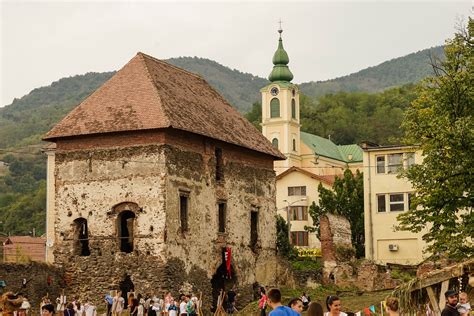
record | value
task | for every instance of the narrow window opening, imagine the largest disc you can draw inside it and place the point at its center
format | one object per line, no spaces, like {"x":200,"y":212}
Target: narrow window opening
{"x":183,"y":211}
{"x":126,"y":225}
{"x":219,"y":165}
{"x":253,"y":229}
{"x":274,"y":108}
{"x":81,"y":237}
{"x":294,"y":144}
{"x":381,"y":203}
{"x":293,"y":109}
{"x":380,"y":164}
{"x":275,"y":143}
{"x":222,"y":216}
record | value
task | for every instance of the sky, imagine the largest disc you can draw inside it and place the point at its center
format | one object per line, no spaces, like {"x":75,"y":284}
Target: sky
{"x":43,"y":41}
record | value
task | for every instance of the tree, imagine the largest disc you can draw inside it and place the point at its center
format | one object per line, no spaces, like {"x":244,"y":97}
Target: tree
{"x":441,"y":122}
{"x":284,"y":247}
{"x":347,"y":199}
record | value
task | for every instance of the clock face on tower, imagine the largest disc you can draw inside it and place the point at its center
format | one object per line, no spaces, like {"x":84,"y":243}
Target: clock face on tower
{"x":274,"y":91}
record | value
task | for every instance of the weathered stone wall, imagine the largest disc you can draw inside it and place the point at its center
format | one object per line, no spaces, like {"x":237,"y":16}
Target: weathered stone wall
{"x":36,"y":275}
{"x":98,"y":183}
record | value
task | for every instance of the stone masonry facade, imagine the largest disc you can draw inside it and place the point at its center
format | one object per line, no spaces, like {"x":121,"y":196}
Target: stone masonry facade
{"x":147,"y":175}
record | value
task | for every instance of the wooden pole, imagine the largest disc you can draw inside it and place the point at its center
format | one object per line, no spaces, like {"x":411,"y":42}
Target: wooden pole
{"x":433,"y":300}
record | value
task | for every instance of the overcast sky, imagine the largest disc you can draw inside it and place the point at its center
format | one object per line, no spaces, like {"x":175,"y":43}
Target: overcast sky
{"x":42,"y":41}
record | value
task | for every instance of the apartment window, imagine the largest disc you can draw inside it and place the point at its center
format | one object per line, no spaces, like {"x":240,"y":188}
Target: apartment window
{"x":219,"y":164}
{"x":380,"y":164}
{"x":410,"y":159}
{"x":222,"y":216}
{"x":395,"y":162}
{"x":299,"y":238}
{"x":297,"y":190}
{"x":381,"y":203}
{"x":293,"y":109}
{"x":299,"y":213}
{"x":183,"y":211}
{"x":274,"y":108}
{"x":397,"y":202}
{"x":275,"y":143}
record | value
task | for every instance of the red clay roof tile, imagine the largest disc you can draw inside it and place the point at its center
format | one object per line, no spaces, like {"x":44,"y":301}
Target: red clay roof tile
{"x":148,"y":93}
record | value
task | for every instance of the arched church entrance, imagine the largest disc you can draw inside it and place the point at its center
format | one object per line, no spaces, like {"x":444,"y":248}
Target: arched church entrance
{"x":222,"y":280}
{"x":126,"y":286}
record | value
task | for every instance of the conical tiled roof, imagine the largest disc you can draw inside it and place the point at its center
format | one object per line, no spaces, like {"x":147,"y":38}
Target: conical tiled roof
{"x":148,"y":93}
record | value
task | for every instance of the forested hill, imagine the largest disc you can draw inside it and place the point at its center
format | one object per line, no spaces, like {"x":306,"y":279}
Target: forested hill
{"x":27,"y":119}
{"x":395,"y":72}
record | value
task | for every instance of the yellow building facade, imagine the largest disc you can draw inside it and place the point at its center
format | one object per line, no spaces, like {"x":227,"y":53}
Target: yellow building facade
{"x":385,"y":197}
{"x":311,"y":159}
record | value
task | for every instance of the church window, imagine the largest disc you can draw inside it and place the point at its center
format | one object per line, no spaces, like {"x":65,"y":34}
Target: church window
{"x":126,"y":225}
{"x":294,"y":144}
{"x":275,"y":108}
{"x":293,"y":109}
{"x":222,"y":216}
{"x":219,"y":165}
{"x":81,"y":237}
{"x":275,"y":143}
{"x":293,"y":92}
{"x":183,"y":211}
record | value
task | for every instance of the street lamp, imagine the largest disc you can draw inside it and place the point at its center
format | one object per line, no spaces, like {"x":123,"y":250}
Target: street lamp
{"x":288,"y":214}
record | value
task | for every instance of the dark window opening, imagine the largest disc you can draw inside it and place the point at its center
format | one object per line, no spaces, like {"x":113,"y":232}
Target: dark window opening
{"x":222,"y":216}
{"x":126,"y":223}
{"x":275,"y":143}
{"x":253,"y":229}
{"x":81,"y":237}
{"x":293,"y":109}
{"x":294,"y":144}
{"x":183,"y":211}
{"x":219,"y":165}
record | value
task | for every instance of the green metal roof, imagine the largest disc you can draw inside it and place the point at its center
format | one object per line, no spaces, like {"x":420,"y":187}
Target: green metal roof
{"x":280,"y":71}
{"x":325,"y":147}
{"x":281,"y":84}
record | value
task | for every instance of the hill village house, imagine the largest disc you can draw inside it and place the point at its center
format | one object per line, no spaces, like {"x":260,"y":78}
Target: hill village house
{"x":313,"y":160}
{"x":151,"y":179}
{"x":154,"y":176}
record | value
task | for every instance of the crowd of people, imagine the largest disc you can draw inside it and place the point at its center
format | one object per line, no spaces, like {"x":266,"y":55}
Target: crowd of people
{"x":152,"y":305}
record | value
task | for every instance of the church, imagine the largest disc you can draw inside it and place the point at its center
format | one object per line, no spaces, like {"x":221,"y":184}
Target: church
{"x":310,"y":159}
{"x":155,"y":183}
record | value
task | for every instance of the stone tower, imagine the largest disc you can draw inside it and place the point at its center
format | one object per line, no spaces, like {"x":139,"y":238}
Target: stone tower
{"x":280,"y":110}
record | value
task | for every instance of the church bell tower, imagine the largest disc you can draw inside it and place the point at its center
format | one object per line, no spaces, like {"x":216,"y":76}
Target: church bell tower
{"x":281,"y":110}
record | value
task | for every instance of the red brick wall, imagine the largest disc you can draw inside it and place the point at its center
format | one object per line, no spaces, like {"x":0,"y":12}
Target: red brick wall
{"x":178,"y":138}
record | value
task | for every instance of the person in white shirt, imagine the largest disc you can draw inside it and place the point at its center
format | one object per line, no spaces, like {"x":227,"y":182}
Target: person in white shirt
{"x":333,"y":304}
{"x":182,"y":306}
{"x":89,"y":309}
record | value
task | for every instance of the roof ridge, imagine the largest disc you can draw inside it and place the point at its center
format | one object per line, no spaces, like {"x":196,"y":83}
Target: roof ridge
{"x":152,"y":82}
{"x":169,"y":64}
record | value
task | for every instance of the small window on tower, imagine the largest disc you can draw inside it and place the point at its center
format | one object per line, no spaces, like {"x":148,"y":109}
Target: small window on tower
{"x":222,"y":216}
{"x":293,"y":109}
{"x":294,"y":144}
{"x":275,"y":143}
{"x":274,"y":108}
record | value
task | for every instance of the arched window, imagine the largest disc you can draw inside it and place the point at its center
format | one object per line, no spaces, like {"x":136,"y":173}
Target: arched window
{"x":81,"y":237}
{"x":274,"y":108}
{"x":126,"y":223}
{"x":294,"y":144}
{"x":293,"y":109}
{"x":275,"y":143}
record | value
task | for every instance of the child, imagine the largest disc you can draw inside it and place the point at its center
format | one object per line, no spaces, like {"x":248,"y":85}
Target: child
{"x":172,"y":309}
{"x":464,"y":308}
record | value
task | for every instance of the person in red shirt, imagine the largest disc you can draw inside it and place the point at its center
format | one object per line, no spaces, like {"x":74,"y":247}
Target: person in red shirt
{"x":262,"y":303}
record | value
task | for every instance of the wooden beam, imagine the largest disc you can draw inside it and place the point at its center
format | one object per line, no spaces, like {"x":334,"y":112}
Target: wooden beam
{"x":433,"y":301}
{"x":444,"y":288}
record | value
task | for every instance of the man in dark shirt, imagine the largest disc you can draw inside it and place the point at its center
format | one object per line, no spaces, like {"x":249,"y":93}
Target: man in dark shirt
{"x":451,"y":303}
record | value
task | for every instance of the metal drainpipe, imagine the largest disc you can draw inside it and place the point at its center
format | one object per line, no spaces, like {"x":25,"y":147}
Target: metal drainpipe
{"x":371,"y":231}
